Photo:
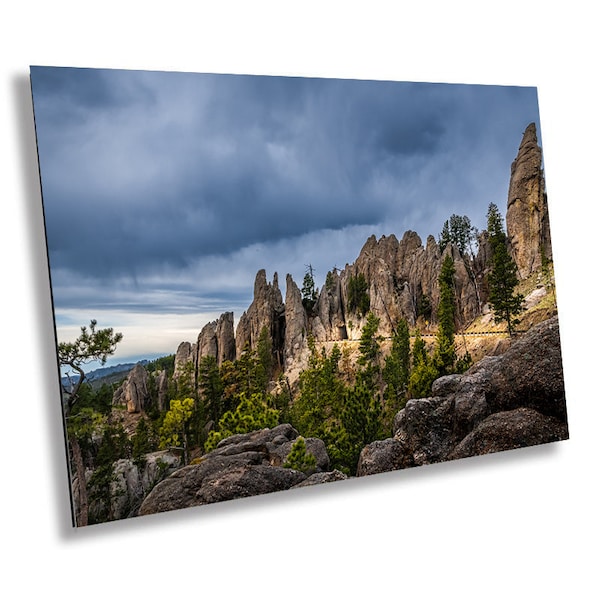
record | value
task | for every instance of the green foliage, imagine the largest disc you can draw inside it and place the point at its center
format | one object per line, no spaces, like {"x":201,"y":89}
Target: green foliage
{"x":370,"y":353}
{"x":252,"y":413}
{"x":185,"y":384}
{"x":329,"y":282}
{"x":503,"y":278}
{"x":309,"y":292}
{"x":115,"y":444}
{"x":424,"y":308}
{"x":445,"y":354}
{"x":320,"y":392}
{"x":299,"y":458}
{"x":211,"y":387}
{"x":174,"y":431}
{"x":458,"y":231}
{"x":396,"y":373}
{"x":164,"y":363}
{"x":423,"y":372}
{"x":250,"y":373}
{"x":360,"y":424}
{"x":91,"y":345}
{"x":358,"y":297}
{"x":142,"y":442}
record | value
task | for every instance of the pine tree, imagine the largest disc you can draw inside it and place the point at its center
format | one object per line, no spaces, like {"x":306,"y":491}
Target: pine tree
{"x":423,"y":372}
{"x":370,"y":353}
{"x":396,"y":372}
{"x":361,"y":423}
{"x":458,"y":231}
{"x":300,"y":459}
{"x":175,"y":431}
{"x":309,"y":292}
{"x":503,"y":278}
{"x":445,"y":354}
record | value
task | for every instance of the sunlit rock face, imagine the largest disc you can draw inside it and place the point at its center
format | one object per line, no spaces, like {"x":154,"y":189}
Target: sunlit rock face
{"x":527,"y":222}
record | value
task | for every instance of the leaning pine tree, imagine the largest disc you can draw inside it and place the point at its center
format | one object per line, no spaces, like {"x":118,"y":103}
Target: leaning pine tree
{"x":503,"y":278}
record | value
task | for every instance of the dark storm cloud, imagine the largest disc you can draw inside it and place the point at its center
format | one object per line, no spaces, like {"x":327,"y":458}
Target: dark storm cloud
{"x":164,"y":193}
{"x":141,"y":169}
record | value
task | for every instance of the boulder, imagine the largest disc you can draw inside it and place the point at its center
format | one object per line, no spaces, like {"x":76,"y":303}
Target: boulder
{"x":508,"y":430}
{"x":317,"y":478}
{"x":509,"y":401}
{"x":242,"y":465}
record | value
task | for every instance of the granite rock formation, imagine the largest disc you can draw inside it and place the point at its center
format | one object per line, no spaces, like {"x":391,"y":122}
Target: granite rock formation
{"x":296,"y":323}
{"x":509,"y":401}
{"x":133,"y":392}
{"x":267,"y":310}
{"x":240,"y":466}
{"x":527,"y":222}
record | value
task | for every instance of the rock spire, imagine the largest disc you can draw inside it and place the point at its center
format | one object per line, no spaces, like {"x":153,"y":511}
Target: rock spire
{"x":527,"y":222}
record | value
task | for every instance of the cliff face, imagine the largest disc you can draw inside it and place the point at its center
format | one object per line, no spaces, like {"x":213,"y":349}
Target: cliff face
{"x":527,"y":222}
{"x":267,"y":310}
{"x":401,"y":278}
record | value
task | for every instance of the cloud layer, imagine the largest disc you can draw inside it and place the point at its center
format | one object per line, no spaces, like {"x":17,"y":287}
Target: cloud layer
{"x":164,"y":193}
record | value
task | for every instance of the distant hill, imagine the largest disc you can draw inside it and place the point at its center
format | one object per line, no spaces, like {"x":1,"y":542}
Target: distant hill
{"x":109,"y":375}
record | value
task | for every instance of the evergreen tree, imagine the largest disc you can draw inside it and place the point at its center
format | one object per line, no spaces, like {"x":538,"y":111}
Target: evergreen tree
{"x":358,"y":297}
{"x":92,"y":344}
{"x":445,"y":354}
{"x":141,"y":441}
{"x":309,"y":292}
{"x":300,"y":459}
{"x":252,"y":413}
{"x":459,"y":232}
{"x":320,"y":392}
{"x":370,"y":353}
{"x":211,"y":387}
{"x":361,"y":423}
{"x":396,"y":372}
{"x":423,"y":372}
{"x":175,"y":430}
{"x":503,"y":278}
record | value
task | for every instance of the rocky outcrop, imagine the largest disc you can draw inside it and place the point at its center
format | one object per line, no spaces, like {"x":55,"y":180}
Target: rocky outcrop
{"x":133,"y":392}
{"x":242,"y":465}
{"x":225,"y":336}
{"x":503,"y":402}
{"x":266,"y":311}
{"x":296,"y":325}
{"x":217,"y":339}
{"x":184,"y":361}
{"x":329,"y":323}
{"x":402,"y":277}
{"x":527,"y":222}
{"x":162,"y":386}
{"x":131,"y":482}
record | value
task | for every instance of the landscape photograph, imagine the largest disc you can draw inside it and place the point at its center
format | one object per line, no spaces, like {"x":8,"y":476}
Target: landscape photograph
{"x":264,"y":283}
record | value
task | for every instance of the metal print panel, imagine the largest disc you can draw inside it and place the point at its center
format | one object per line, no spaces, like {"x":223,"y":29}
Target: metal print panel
{"x":264,"y":283}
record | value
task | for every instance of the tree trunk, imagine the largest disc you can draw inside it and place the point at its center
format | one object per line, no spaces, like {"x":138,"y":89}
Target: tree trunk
{"x":81,"y":518}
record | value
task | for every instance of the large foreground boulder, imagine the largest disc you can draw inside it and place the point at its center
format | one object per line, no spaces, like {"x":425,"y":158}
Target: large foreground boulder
{"x":503,"y":402}
{"x":240,"y":466}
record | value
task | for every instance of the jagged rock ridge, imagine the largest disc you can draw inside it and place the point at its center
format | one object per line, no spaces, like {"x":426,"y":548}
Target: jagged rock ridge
{"x":402,"y":277}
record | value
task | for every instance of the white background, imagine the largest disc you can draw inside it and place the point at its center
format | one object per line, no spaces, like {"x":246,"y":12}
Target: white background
{"x":522,"y":524}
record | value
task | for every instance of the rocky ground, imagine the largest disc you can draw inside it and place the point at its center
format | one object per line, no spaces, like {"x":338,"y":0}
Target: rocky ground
{"x":503,"y":402}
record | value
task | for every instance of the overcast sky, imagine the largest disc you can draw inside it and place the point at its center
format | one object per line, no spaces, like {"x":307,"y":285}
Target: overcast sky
{"x":164,"y":193}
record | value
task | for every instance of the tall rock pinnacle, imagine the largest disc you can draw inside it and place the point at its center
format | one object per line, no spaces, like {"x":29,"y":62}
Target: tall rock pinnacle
{"x":527,"y":223}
